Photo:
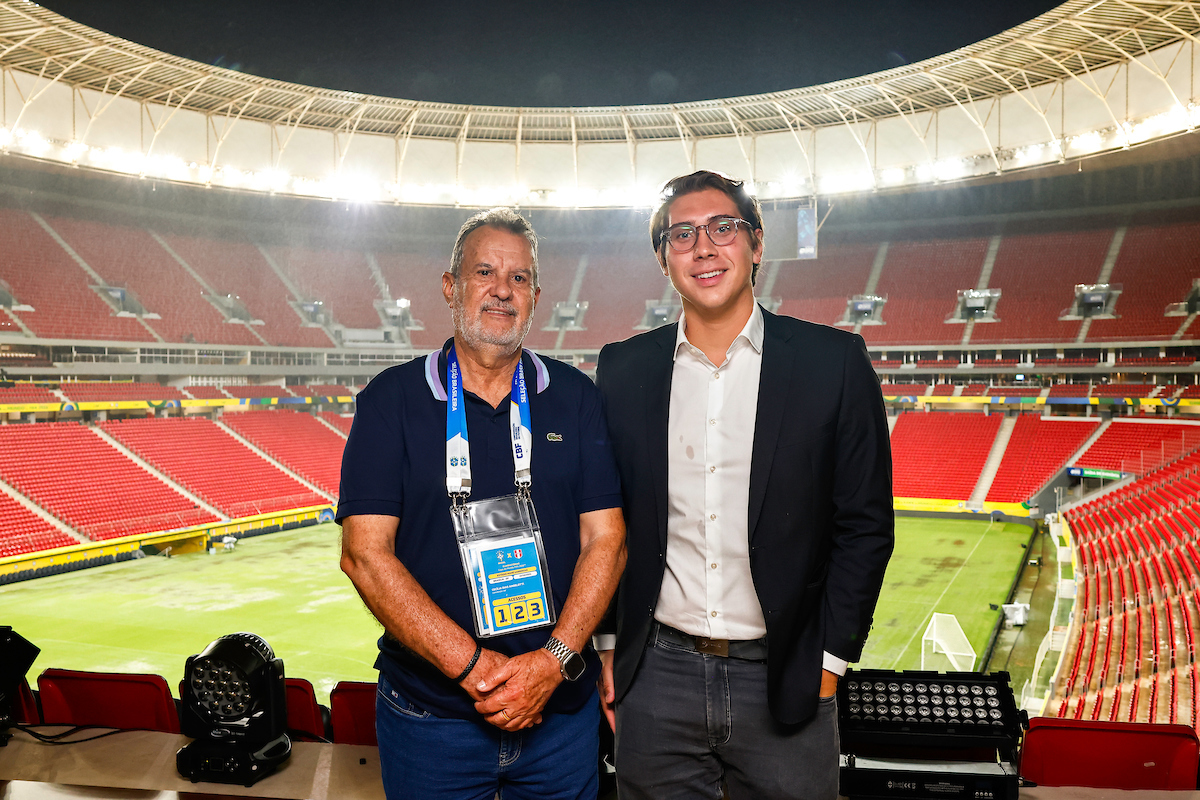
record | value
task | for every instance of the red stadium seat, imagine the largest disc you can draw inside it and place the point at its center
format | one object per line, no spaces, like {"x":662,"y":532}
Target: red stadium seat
{"x":1110,"y":755}
{"x":297,"y":440}
{"x":303,"y":711}
{"x":352,"y":712}
{"x":25,"y":709}
{"x":107,"y":700}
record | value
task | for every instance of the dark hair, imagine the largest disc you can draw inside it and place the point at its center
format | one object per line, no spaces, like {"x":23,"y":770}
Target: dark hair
{"x":747,"y":206}
{"x":505,"y":219}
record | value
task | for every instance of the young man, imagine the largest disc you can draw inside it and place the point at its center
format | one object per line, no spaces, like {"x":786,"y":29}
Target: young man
{"x":756,"y":474}
{"x":466,"y":708}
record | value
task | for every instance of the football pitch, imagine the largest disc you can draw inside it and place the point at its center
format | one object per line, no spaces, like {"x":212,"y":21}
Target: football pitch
{"x":149,"y":615}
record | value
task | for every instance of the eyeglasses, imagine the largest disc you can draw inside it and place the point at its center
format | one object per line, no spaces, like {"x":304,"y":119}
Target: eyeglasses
{"x":683,"y":235}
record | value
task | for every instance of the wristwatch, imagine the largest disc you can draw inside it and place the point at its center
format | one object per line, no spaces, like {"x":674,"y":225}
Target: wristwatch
{"x":570,"y":663}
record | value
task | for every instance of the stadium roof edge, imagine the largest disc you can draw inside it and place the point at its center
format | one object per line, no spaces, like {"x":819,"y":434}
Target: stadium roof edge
{"x":1068,"y":42}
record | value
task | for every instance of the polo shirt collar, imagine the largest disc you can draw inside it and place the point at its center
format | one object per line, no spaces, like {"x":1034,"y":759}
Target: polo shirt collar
{"x":437,"y":384}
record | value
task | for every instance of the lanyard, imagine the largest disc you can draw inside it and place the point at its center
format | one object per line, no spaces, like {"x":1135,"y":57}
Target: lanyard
{"x":458,"y":470}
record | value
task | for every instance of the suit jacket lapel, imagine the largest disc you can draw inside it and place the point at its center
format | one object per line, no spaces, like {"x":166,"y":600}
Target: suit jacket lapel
{"x":658,"y":406}
{"x":777,"y":366}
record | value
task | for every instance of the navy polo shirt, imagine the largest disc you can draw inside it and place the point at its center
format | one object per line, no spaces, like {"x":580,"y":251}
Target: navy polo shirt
{"x":395,"y":464}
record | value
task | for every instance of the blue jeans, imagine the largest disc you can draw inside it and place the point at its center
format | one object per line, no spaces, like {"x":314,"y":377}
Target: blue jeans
{"x":423,"y":756}
{"x":693,"y":724}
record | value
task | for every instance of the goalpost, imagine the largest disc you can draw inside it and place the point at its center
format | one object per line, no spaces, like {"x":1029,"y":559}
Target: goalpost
{"x":944,"y":642}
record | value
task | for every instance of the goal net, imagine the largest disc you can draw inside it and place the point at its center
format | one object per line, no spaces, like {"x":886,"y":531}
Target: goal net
{"x":945,"y":647}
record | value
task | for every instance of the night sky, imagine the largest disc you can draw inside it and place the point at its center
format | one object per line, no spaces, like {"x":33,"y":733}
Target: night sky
{"x":553,"y":53}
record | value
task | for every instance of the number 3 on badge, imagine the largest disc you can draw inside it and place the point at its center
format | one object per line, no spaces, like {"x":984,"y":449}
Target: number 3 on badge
{"x":536,"y":611}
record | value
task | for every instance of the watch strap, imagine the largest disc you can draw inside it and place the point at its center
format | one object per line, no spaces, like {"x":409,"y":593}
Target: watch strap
{"x":561,"y":652}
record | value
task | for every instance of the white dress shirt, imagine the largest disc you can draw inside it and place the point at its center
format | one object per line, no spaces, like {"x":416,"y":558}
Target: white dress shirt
{"x":707,"y":589}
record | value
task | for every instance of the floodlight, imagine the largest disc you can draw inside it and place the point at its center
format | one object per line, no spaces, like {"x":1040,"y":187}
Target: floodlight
{"x":16,"y":657}
{"x":235,"y":708}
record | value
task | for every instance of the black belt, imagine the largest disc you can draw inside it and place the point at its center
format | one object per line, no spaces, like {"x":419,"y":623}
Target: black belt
{"x":745,"y":649}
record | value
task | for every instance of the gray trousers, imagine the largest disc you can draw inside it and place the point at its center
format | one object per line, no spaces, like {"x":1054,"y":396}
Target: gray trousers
{"x":693,"y":724}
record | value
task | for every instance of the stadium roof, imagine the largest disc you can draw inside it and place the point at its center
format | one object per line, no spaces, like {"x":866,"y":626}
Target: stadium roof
{"x":1087,"y":77}
{"x":1072,"y":41}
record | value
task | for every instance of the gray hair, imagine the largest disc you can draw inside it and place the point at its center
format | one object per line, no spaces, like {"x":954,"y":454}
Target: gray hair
{"x":501,"y":218}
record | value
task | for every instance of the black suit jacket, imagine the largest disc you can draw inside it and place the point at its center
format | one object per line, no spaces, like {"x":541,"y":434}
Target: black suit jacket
{"x":820,"y":511}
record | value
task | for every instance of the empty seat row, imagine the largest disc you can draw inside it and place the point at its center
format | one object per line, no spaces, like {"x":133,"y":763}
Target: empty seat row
{"x":135,"y":701}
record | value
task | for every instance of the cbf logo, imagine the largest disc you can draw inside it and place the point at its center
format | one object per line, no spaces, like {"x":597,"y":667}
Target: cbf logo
{"x":518,"y":450}
{"x":455,"y":461}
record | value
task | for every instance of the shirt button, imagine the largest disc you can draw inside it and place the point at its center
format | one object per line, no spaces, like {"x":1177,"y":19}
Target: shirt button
{"x":712,"y":516}
{"x":714,"y":613}
{"x":713,"y":565}
{"x":712,"y":422}
{"x":716,"y":376}
{"x":712,"y":469}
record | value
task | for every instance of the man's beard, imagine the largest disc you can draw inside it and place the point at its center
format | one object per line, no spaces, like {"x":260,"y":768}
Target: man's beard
{"x":477,"y":336}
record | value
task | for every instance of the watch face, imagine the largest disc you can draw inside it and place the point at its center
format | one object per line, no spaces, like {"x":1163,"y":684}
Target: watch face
{"x":574,"y":666}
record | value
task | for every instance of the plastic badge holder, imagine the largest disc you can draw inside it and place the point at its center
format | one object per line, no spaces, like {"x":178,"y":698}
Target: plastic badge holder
{"x":504,"y":561}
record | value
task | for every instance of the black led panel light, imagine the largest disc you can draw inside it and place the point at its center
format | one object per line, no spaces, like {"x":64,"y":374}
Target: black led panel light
{"x":17,"y":655}
{"x":949,"y":710}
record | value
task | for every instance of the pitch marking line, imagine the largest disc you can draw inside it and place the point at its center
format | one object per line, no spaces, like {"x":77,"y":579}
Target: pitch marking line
{"x":933,"y":607}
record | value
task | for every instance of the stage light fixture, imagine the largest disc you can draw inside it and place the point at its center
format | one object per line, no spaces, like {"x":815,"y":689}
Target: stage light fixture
{"x":235,"y":708}
{"x":928,"y":735}
{"x":16,"y":657}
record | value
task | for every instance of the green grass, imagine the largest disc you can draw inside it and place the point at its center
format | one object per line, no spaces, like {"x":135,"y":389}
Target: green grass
{"x":948,"y":566}
{"x":149,"y":615}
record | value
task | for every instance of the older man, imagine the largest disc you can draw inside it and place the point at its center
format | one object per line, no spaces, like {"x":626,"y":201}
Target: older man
{"x":478,"y":690}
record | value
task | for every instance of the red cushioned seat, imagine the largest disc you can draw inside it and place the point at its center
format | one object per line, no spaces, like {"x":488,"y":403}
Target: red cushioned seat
{"x":352,"y":712}
{"x":303,"y":711}
{"x":1110,"y":755}
{"x":108,"y":700}
{"x":25,"y":709}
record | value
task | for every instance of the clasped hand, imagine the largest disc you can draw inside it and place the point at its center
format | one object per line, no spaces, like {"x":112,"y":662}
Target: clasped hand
{"x":511,"y":693}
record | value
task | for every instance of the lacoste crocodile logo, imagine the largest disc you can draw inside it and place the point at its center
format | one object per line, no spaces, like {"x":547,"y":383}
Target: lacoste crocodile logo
{"x":553,"y":437}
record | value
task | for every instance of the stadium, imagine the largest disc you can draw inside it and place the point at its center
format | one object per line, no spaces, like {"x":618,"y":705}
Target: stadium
{"x":200,"y":269}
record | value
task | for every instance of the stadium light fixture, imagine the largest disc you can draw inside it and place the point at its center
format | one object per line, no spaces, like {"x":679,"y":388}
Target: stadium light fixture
{"x":1087,"y":143}
{"x":74,"y":150}
{"x":271,"y":180}
{"x":794,"y":187}
{"x":352,"y":188}
{"x":229,"y":176}
{"x":843,"y":182}
{"x":234,"y":707}
{"x":1029,"y":154}
{"x":950,"y":169}
{"x":32,"y":142}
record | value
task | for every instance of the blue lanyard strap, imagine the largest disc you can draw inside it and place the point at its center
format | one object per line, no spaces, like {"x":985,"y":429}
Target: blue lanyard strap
{"x":458,"y":468}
